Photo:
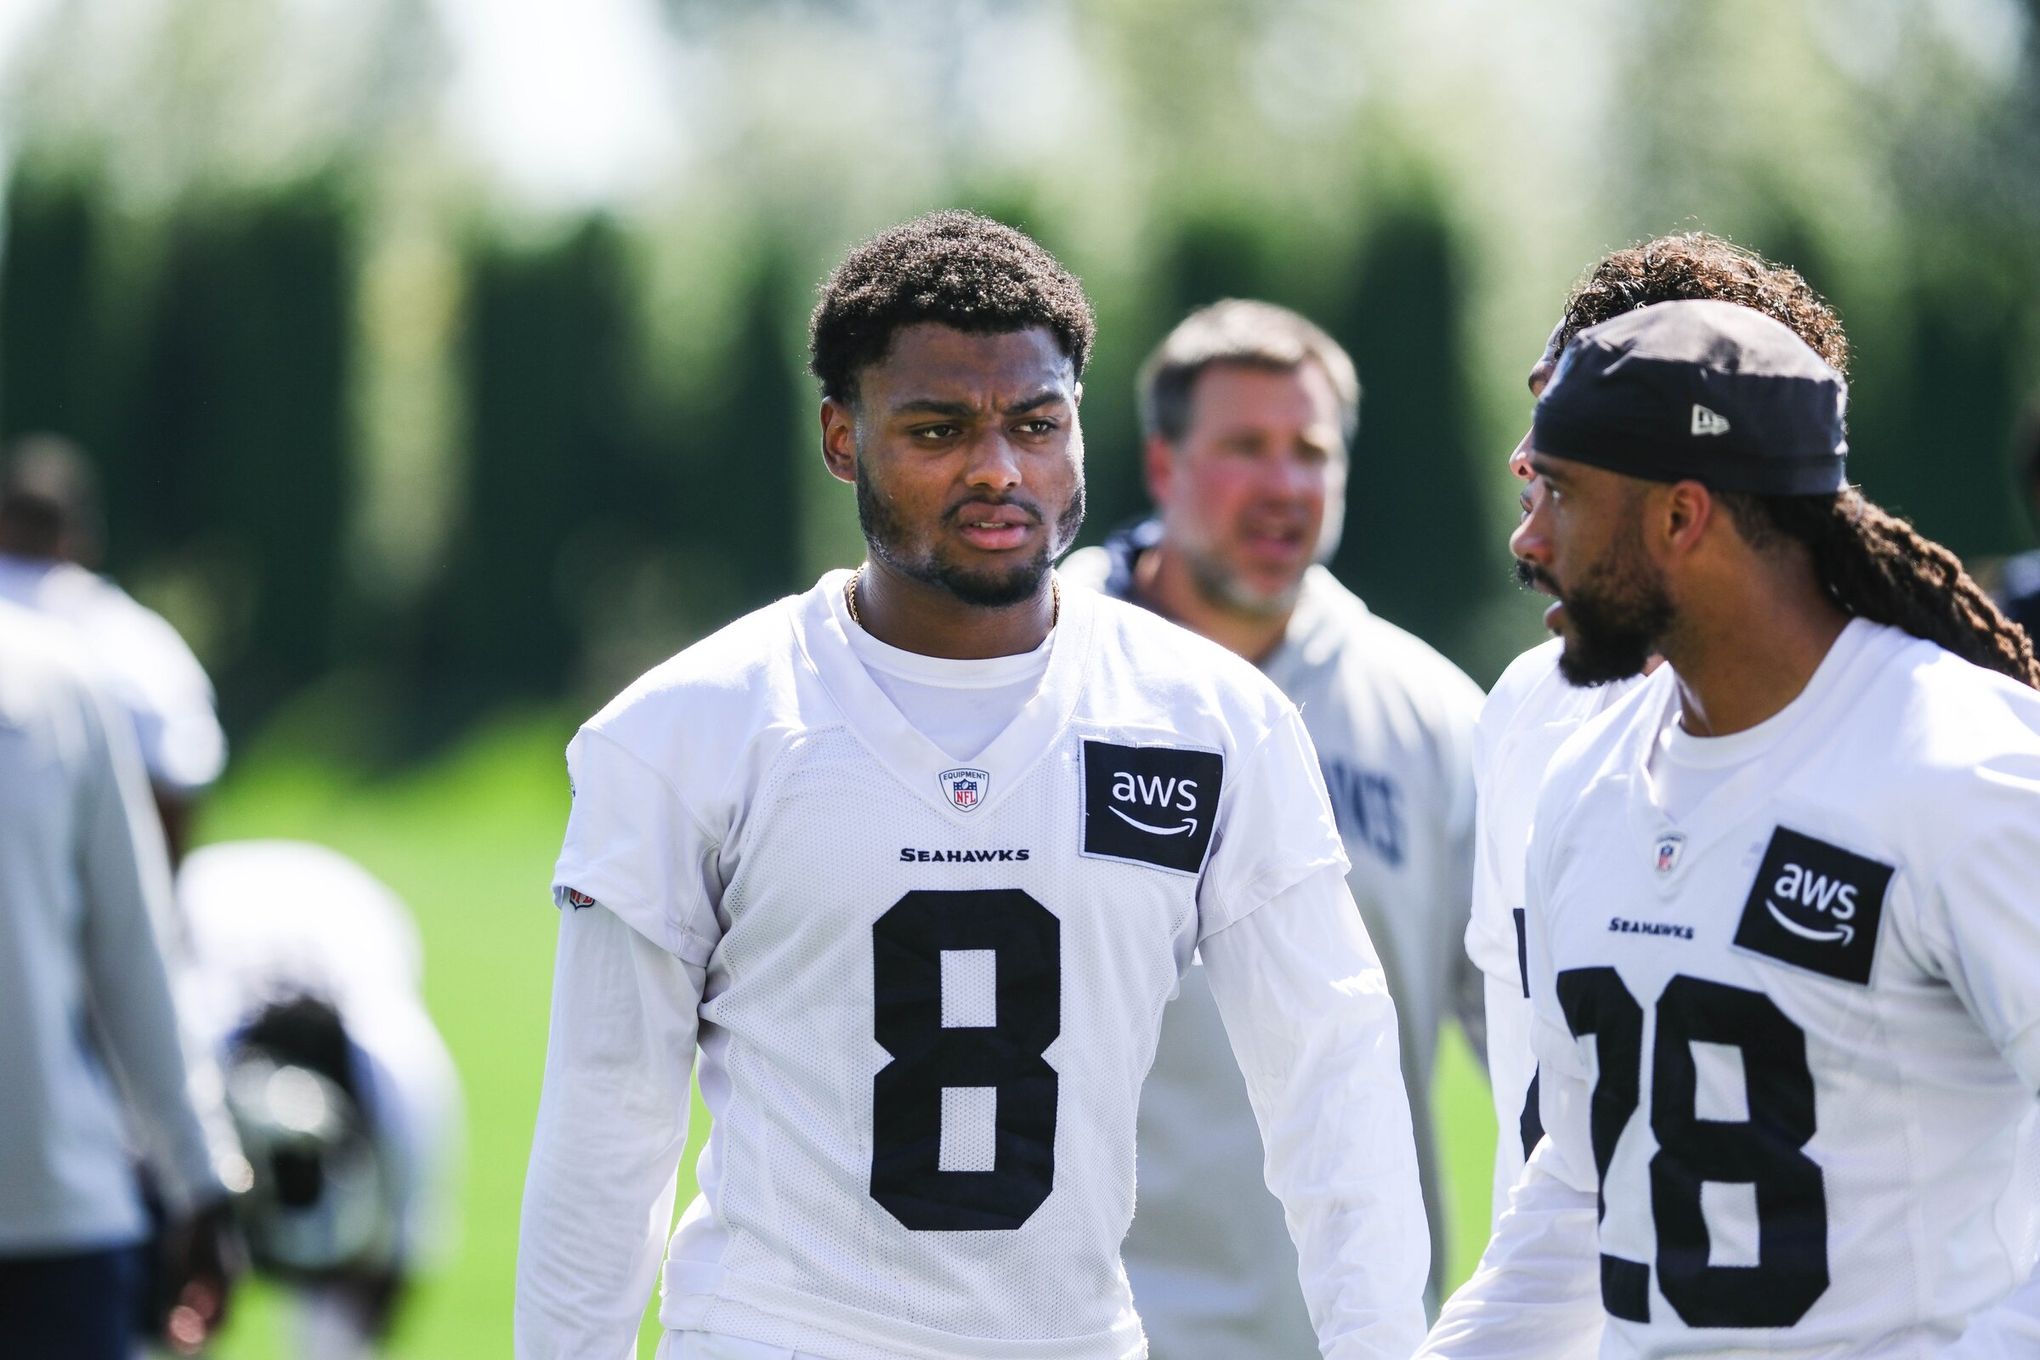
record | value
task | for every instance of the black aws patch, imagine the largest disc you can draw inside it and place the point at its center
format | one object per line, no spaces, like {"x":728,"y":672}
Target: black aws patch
{"x":1150,"y":804}
{"x":1815,"y":906}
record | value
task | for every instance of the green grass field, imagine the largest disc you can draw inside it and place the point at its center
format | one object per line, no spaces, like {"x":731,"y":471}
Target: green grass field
{"x":469,"y":842}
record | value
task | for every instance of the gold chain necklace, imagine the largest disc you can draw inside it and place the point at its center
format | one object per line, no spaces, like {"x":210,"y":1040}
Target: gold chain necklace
{"x":1054,"y":598}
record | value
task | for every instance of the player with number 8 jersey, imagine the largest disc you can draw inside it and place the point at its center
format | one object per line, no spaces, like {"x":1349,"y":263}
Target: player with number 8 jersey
{"x":916,"y":859}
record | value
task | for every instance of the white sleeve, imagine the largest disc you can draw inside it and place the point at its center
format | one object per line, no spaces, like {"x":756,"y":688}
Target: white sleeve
{"x":1276,"y":829}
{"x":612,"y":1123}
{"x":1309,"y":1017}
{"x":1981,"y":918}
{"x":131,"y":944}
{"x":1537,"y":1292}
{"x":636,"y":848}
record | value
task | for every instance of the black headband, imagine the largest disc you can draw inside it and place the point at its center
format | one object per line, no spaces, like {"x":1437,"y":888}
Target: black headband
{"x":1703,"y":390}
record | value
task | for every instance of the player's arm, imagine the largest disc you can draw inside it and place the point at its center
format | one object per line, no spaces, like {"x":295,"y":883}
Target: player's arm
{"x":127,"y":931}
{"x":1307,"y":1011}
{"x":635,"y":886}
{"x":1537,"y":1292}
{"x":612,"y":1123}
{"x":1980,"y":923}
{"x":168,"y":1082}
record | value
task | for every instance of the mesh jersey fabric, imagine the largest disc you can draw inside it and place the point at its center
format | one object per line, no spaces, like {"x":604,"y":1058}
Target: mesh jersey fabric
{"x":758,"y":807}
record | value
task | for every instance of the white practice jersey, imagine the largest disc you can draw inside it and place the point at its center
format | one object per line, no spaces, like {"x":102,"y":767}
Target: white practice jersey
{"x":929,"y":990}
{"x":1790,"y":1036}
{"x":145,"y":665}
{"x":1527,"y":717}
{"x":270,"y":920}
{"x":1212,"y":1267}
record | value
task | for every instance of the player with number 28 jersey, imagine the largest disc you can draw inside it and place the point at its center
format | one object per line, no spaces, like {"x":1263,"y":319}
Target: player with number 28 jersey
{"x":1781,"y":918}
{"x":1791,"y":1032}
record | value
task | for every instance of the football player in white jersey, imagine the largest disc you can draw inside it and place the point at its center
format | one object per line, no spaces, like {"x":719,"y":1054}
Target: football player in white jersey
{"x":1532,"y":710}
{"x":306,"y":979}
{"x":916,"y":859}
{"x":1248,"y":409}
{"x":1781,"y":913}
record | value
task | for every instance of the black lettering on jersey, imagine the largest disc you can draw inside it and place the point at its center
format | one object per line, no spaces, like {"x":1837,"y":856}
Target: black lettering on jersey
{"x":911,"y":855}
{"x":1150,"y":804}
{"x":1622,"y":925}
{"x":1368,"y":807}
{"x":1815,"y":906}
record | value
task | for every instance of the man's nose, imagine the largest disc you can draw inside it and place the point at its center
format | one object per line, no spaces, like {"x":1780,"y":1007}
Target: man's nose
{"x":1531,"y":541}
{"x":1519,"y":458}
{"x":994,"y":462}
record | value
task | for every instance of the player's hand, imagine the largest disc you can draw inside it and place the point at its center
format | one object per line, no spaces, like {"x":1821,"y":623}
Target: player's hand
{"x":202,"y":1258}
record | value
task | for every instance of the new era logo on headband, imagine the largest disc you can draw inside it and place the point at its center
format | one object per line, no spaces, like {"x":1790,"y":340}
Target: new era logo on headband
{"x":1708,"y":422}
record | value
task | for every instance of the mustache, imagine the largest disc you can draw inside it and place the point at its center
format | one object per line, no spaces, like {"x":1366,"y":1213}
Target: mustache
{"x":1532,"y":577}
{"x":1020,"y":503}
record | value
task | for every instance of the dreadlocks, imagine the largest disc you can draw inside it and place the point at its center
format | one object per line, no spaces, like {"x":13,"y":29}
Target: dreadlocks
{"x":1878,"y":567}
{"x":1696,"y":264}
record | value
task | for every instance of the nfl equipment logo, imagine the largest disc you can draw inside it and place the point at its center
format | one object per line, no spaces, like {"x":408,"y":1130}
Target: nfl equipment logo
{"x":1668,"y":848}
{"x":965,"y":789}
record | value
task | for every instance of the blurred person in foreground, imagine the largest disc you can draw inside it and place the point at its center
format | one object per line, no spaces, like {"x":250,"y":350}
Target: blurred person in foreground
{"x":307,"y":981}
{"x":1783,"y":890}
{"x":50,"y":543}
{"x":1248,"y":410}
{"x":917,"y":858}
{"x":2019,"y":585}
{"x":89,"y":1039}
{"x":1532,"y":709}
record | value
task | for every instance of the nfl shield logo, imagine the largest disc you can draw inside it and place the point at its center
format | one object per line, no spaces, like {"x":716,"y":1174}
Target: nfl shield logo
{"x":1668,"y":847}
{"x":965,"y":789}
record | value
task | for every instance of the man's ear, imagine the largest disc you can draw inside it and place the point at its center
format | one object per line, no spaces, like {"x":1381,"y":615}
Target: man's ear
{"x":1158,"y":463}
{"x":1686,"y":510}
{"x":839,"y":439}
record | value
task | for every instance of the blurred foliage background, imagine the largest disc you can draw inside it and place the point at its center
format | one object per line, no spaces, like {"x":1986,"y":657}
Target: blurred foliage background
{"x":425,"y":381}
{"x":443,"y":358}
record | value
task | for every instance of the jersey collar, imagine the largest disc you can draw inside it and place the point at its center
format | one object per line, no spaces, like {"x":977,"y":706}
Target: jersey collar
{"x":824,"y":631}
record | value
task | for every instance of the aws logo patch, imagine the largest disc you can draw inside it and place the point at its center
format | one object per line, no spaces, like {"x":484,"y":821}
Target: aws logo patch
{"x":1815,"y":906}
{"x":1153,"y":804}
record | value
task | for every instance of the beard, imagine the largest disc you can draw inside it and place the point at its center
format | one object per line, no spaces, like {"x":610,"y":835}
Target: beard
{"x":1617,"y":613}
{"x":891,"y":542}
{"x":1222,"y":586}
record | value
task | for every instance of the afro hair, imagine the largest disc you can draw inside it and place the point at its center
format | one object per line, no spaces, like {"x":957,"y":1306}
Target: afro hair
{"x":952,"y":267}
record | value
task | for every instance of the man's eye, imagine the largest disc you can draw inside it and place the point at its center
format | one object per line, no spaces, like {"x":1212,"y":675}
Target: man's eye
{"x":1039,"y":427}
{"x":934,"y":434}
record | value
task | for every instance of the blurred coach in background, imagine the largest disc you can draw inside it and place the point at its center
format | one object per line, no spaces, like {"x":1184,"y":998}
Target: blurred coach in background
{"x":1247,"y":409}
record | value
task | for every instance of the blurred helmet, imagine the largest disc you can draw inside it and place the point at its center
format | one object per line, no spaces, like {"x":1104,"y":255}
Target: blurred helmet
{"x":313,"y":1197}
